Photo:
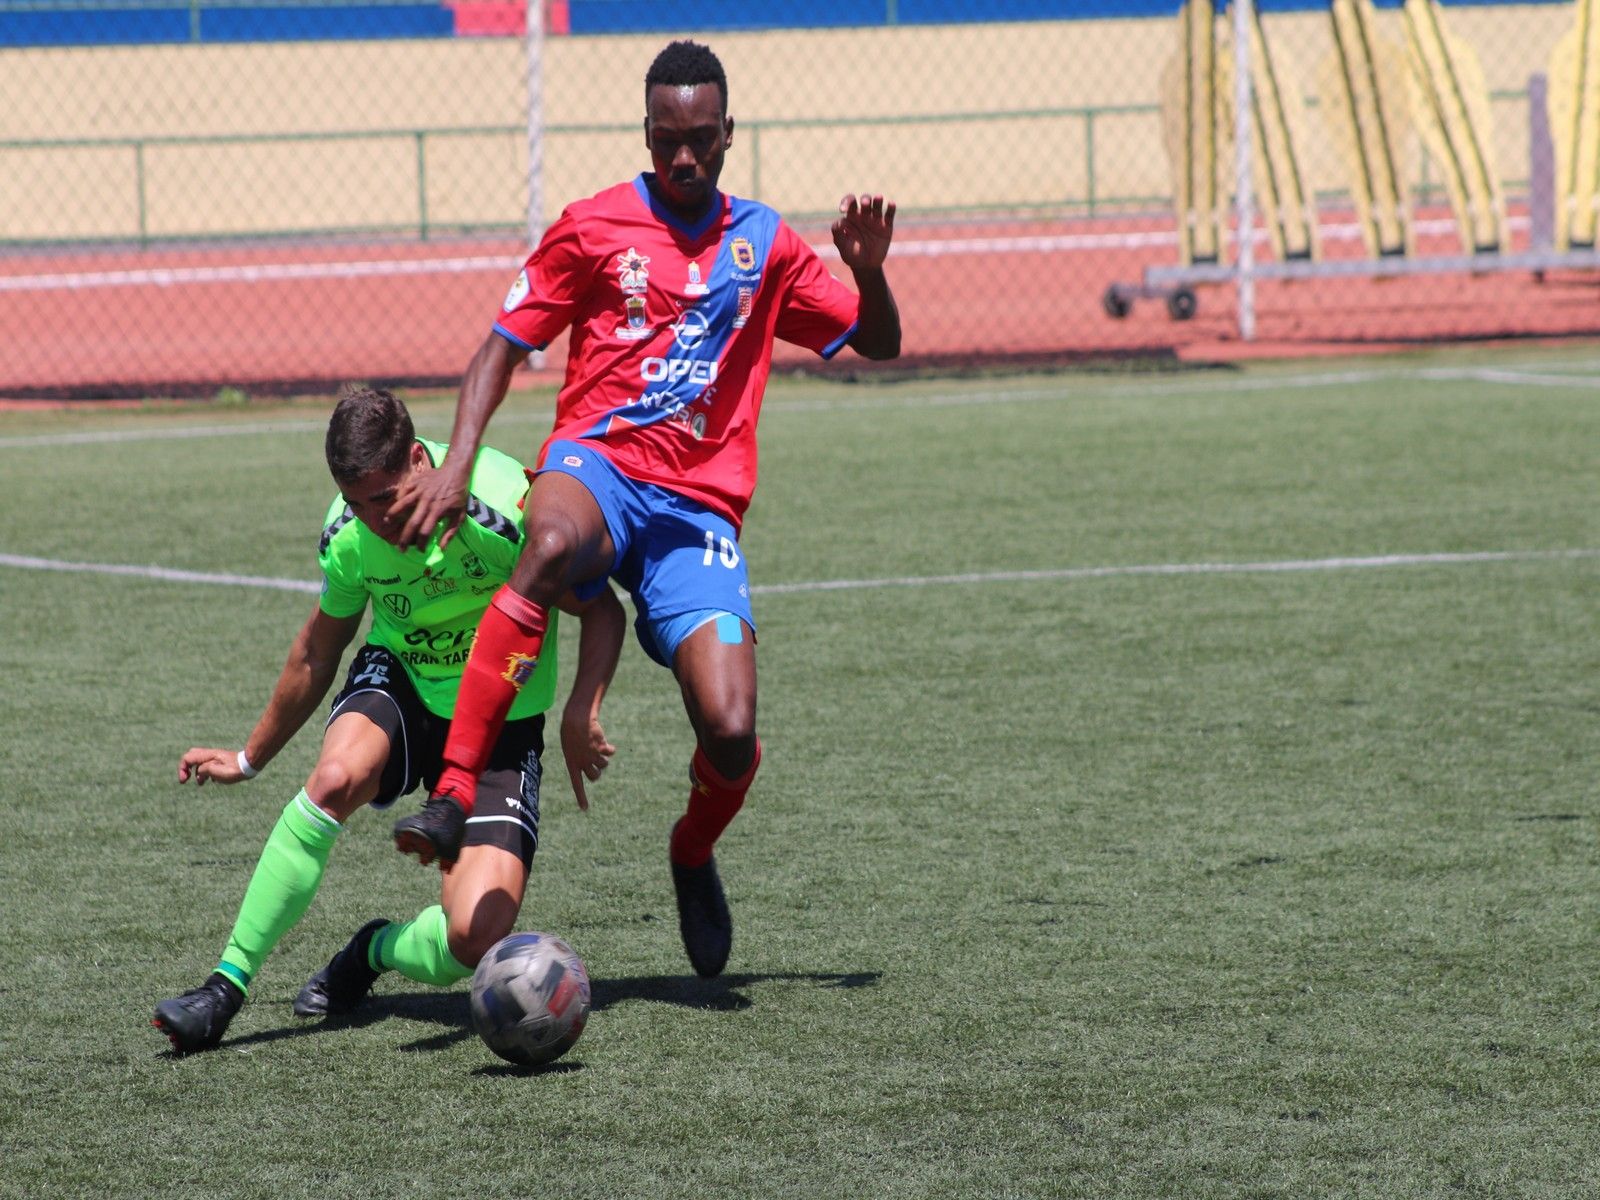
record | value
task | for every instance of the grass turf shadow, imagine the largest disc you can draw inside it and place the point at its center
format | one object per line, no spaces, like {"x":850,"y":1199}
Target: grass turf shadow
{"x":450,"y":1009}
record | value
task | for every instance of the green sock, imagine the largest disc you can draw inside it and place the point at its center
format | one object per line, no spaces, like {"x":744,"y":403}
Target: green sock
{"x":418,"y":949}
{"x":286,"y":878}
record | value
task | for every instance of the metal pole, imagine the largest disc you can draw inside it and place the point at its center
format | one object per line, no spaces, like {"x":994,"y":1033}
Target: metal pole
{"x":422,"y":184}
{"x":1243,"y":199}
{"x":1541,"y":166}
{"x":535,"y":44}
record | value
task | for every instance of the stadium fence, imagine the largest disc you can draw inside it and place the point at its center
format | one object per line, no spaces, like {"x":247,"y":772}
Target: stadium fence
{"x":277,"y":196}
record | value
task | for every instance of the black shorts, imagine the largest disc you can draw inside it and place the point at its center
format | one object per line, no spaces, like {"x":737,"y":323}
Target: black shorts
{"x":506,"y":811}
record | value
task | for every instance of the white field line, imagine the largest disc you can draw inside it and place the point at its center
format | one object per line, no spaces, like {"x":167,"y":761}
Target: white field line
{"x":88,"y":438}
{"x":1063,"y":575}
{"x":1071,"y":388}
{"x":1286,"y":566}
{"x":161,"y":433}
{"x":24,"y":562}
{"x":253,"y":273}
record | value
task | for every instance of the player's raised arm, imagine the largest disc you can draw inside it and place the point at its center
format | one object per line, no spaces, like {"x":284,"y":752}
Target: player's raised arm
{"x":862,"y":235}
{"x":427,"y":499}
{"x":312,"y":665}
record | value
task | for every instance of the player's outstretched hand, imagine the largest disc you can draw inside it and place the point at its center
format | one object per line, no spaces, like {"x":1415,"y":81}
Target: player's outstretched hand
{"x":864,"y":230}
{"x":426,"y":499}
{"x":201,"y":763}
{"x":584,"y":745}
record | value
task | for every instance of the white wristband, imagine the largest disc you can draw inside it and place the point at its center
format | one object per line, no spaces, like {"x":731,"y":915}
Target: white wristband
{"x":245,"y":768}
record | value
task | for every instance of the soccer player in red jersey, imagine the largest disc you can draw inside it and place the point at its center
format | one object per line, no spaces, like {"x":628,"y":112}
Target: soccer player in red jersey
{"x":674,"y":292}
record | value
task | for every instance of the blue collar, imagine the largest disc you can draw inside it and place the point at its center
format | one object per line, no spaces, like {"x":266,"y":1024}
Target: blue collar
{"x":664,"y":214}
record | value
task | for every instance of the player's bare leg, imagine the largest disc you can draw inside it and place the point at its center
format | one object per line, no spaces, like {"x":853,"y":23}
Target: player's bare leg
{"x":716,"y":669}
{"x":479,"y":901}
{"x":482,"y":895}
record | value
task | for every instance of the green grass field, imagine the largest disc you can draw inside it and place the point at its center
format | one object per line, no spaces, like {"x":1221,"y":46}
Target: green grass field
{"x":1056,"y":882}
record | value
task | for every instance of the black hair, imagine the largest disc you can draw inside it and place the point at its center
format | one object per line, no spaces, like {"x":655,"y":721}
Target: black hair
{"x":685,"y":64}
{"x":370,"y":430}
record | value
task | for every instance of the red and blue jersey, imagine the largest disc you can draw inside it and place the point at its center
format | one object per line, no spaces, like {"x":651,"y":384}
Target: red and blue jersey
{"x":672,"y":332}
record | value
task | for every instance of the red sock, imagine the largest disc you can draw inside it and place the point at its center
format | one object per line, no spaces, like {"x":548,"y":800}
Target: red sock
{"x":713,"y":803}
{"x":503,"y":657}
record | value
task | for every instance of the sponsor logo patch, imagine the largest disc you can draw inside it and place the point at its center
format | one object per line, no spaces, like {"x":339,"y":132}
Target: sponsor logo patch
{"x":690,"y":329}
{"x":631,"y":270}
{"x":519,"y":291}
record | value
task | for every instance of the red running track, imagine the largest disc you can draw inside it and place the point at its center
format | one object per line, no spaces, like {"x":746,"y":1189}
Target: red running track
{"x":286,"y":315}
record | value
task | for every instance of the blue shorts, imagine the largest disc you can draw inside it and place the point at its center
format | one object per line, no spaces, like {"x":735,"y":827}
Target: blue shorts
{"x":679,"y":560}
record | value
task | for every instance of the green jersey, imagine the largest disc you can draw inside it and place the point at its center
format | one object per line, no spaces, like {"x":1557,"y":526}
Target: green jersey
{"x":426,"y":604}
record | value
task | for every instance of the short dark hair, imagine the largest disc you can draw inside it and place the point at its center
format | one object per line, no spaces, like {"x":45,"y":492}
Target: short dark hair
{"x":370,"y":430}
{"x":685,"y":64}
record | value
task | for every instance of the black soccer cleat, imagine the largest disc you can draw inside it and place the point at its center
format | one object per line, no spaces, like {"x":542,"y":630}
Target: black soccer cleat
{"x":197,"y":1019}
{"x":434,"y":832}
{"x":343,"y":984}
{"x":703,"y":917}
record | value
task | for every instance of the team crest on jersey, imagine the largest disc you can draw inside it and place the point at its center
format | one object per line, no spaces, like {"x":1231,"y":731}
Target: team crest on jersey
{"x":747,"y":300}
{"x":631,"y":267}
{"x":744,"y":254}
{"x":518,"y":292}
{"x":519,"y":669}
{"x":696,"y":286}
{"x":633,"y":327}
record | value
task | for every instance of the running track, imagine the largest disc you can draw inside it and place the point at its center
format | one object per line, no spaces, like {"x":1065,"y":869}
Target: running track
{"x":132,"y":322}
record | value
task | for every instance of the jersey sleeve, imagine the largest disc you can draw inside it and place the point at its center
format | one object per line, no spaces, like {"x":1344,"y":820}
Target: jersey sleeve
{"x":548,"y":291}
{"x":493,"y":526}
{"x":816,"y":310}
{"x":344,"y":591}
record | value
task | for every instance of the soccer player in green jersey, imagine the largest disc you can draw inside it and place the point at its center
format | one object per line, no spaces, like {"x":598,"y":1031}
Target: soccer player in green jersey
{"x":387,"y":728}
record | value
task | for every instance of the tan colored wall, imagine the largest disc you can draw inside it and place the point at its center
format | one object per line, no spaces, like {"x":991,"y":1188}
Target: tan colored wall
{"x":321,"y":88}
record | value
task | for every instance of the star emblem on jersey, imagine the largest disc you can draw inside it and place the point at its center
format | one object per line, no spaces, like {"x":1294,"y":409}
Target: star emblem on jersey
{"x":631,"y":267}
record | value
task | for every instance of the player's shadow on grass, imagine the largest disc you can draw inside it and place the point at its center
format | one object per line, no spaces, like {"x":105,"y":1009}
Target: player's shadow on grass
{"x":450,"y":1009}
{"x":721,"y":994}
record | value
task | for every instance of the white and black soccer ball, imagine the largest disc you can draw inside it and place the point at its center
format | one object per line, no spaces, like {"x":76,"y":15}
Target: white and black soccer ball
{"x":530,"y":998}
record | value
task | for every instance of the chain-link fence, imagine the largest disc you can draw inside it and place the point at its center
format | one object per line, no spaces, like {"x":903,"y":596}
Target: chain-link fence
{"x":229,"y":193}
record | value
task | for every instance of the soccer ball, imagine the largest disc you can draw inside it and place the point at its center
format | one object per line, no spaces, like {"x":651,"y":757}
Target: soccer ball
{"x":530,"y":998}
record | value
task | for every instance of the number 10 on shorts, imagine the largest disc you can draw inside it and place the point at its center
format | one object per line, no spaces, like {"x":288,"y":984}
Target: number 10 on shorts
{"x":728,"y":551}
